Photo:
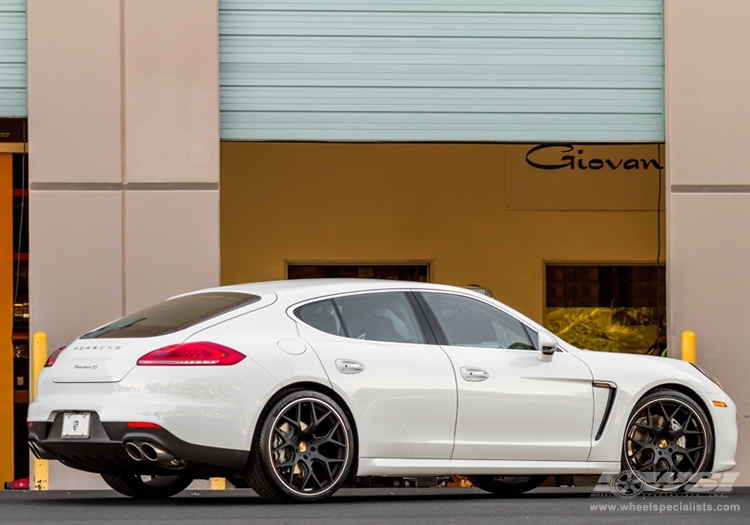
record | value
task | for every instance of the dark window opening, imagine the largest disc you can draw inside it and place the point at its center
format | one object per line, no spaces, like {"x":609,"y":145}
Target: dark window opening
{"x":608,"y":307}
{"x":397,"y":272}
{"x":20,"y":303}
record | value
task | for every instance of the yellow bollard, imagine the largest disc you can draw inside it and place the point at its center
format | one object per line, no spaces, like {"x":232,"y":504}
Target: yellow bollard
{"x":218,"y":483}
{"x":688,"y":346}
{"x":39,"y":357}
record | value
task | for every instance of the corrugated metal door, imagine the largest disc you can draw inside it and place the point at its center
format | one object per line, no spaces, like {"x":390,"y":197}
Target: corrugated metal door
{"x":13,"y":58}
{"x":442,"y":70}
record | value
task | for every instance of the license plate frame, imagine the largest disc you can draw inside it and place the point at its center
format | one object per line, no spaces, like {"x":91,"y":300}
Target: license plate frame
{"x":76,"y":425}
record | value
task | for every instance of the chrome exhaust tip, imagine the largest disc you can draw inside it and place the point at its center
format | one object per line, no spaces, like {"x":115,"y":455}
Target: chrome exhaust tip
{"x":153,"y":452}
{"x":35,"y":449}
{"x":39,"y":452}
{"x":133,"y":448}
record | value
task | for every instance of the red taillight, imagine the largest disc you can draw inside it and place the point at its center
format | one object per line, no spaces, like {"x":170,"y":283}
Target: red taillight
{"x":192,"y":354}
{"x":142,"y":424}
{"x":53,"y":357}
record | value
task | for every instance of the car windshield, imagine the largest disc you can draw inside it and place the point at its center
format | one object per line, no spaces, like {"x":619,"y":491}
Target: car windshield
{"x":173,"y":315}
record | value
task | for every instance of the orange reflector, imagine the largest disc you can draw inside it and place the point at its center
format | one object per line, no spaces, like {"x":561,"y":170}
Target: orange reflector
{"x":720,"y":404}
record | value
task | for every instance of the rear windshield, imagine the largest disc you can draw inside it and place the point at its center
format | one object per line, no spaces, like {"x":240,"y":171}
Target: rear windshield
{"x":173,"y":315}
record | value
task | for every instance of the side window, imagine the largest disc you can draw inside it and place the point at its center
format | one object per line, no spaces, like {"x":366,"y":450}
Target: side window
{"x":533,"y":335}
{"x":321,"y":315}
{"x":469,"y":322}
{"x":380,"y":317}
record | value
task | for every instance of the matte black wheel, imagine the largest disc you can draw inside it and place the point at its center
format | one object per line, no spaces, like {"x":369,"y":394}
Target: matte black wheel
{"x":304,"y":451}
{"x":506,"y":486}
{"x":147,"y":487}
{"x":668,"y":440}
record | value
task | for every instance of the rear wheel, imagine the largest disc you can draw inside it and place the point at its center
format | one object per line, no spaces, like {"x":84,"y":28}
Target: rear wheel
{"x":304,"y":450}
{"x":506,"y":486}
{"x":147,"y":487}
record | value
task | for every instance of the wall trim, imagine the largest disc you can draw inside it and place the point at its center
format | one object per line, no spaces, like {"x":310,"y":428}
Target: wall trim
{"x":14,"y":147}
{"x":710,"y":188}
{"x":117,"y":186}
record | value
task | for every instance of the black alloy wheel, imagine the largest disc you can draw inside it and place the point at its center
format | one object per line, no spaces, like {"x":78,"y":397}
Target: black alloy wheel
{"x":304,"y":451}
{"x":668,"y":440}
{"x":147,"y":487}
{"x":507,"y":486}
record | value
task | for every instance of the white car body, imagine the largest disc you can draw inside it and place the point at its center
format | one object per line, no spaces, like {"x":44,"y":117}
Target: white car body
{"x":414,"y":411}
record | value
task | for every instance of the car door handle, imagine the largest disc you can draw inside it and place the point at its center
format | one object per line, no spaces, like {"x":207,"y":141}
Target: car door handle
{"x":349,"y":366}
{"x":471,"y":373}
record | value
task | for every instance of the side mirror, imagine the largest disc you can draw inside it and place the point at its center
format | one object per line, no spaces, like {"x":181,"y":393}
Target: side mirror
{"x":547,"y":343}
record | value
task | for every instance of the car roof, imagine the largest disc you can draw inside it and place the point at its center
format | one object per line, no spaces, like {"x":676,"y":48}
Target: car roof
{"x":300,"y":289}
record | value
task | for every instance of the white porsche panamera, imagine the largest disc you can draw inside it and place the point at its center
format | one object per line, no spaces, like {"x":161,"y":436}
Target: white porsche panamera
{"x":295,"y":387}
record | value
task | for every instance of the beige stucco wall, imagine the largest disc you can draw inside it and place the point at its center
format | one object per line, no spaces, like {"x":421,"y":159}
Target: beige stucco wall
{"x":708,"y":122}
{"x":123,"y":163}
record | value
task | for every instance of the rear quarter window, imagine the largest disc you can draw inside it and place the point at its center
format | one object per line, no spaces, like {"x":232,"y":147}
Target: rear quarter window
{"x":173,"y":315}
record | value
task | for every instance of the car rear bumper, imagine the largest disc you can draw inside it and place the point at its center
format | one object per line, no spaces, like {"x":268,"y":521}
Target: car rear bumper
{"x":104,"y":450}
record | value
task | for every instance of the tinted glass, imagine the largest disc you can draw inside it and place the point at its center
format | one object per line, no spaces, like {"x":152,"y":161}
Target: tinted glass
{"x":469,"y":322}
{"x":321,"y":315}
{"x":173,"y":315}
{"x":380,"y":317}
{"x":533,"y":335}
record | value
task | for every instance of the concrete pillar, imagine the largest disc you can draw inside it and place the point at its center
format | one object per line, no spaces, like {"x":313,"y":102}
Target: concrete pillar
{"x":123,"y":162}
{"x":708,"y":207}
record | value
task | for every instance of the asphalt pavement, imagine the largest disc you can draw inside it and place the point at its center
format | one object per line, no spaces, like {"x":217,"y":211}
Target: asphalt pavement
{"x":374,"y":506}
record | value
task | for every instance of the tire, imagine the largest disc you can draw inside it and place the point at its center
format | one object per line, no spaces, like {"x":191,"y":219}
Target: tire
{"x":668,"y":441}
{"x":507,"y":486}
{"x":156,"y":487}
{"x":304,"y":450}
{"x":238,"y":482}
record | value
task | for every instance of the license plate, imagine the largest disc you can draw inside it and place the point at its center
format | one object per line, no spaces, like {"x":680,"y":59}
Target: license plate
{"x":76,"y":425}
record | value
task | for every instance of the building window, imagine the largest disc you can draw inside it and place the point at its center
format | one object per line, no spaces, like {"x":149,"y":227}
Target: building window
{"x":614,"y":308}
{"x":397,"y":272}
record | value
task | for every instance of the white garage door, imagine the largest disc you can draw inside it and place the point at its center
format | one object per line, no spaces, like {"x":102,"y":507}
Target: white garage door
{"x":13,"y":58}
{"x":442,"y":70}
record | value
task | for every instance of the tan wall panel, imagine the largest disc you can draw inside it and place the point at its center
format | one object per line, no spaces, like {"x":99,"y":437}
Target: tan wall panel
{"x":707,"y":51}
{"x":74,"y":90}
{"x":172,"y":89}
{"x":708,"y":293}
{"x":172,"y":244}
{"x":75,"y":267}
{"x":390,"y":202}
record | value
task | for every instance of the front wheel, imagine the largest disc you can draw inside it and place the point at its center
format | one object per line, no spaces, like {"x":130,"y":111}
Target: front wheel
{"x":304,"y":451}
{"x":507,"y":486}
{"x":147,"y":487}
{"x":668,"y":441}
